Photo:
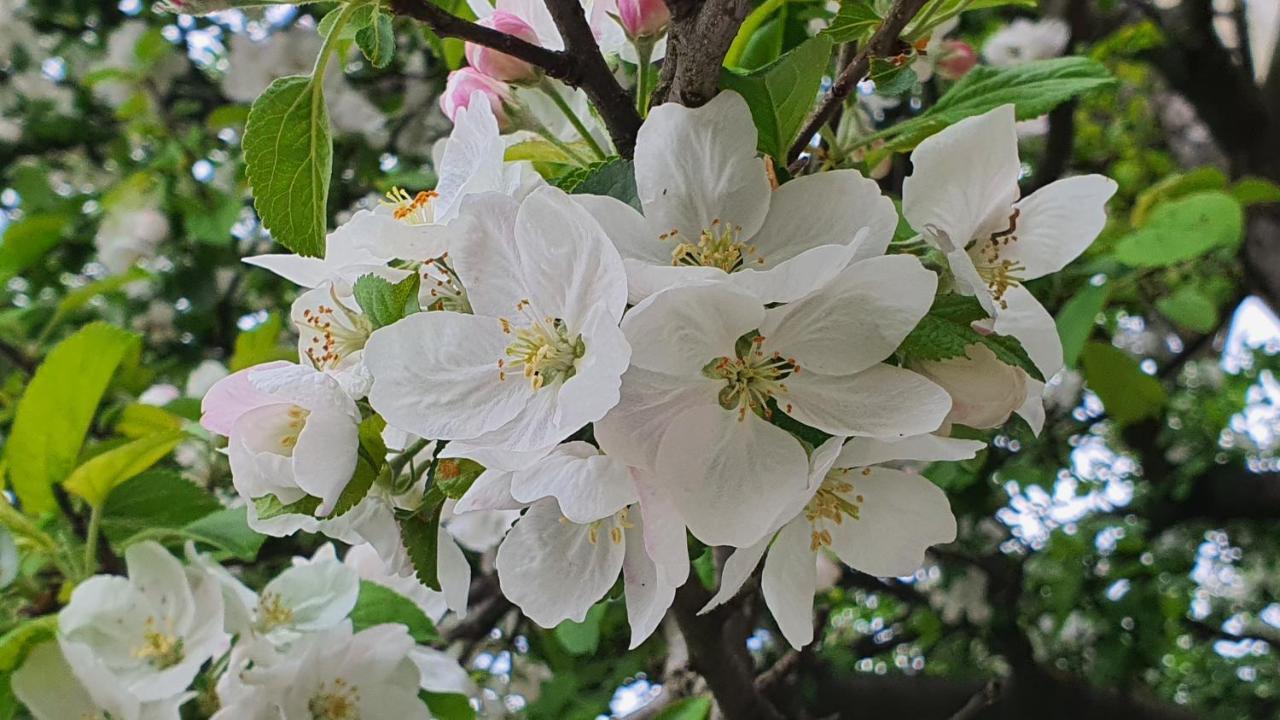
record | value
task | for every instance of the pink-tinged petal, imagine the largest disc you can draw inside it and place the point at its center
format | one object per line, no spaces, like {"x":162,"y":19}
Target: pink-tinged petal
{"x":231,"y":397}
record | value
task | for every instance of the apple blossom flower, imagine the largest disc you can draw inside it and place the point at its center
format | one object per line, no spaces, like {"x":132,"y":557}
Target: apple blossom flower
{"x":292,"y":432}
{"x":499,"y":65}
{"x":711,"y":367}
{"x":1024,"y":41}
{"x":590,"y":518}
{"x":204,"y":376}
{"x":137,"y":641}
{"x":311,"y":596}
{"x":984,"y":391}
{"x":128,"y":234}
{"x":468,"y":85}
{"x":49,"y":690}
{"x":962,"y":196}
{"x":332,"y":331}
{"x":875,"y":519}
{"x":542,"y":355}
{"x":332,"y":674}
{"x":709,"y":211}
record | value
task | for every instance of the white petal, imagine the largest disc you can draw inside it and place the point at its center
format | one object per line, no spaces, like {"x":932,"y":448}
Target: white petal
{"x":569,"y":265}
{"x":454,"y":572}
{"x":436,"y":375}
{"x":231,"y":397}
{"x":159,"y":576}
{"x":384,"y":236}
{"x":325,"y":457}
{"x":1027,"y":320}
{"x":728,"y":477}
{"x":471,"y":161}
{"x":963,"y":179}
{"x":798,"y":276}
{"x":305,"y":271}
{"x":1057,"y":222}
{"x":481,"y":531}
{"x":882,"y":401}
{"x":737,"y":569}
{"x":45,"y":685}
{"x":900,"y":515}
{"x":648,"y":593}
{"x":856,"y":320}
{"x":485,"y":256}
{"x":679,"y":331}
{"x":648,"y":402}
{"x":550,"y":568}
{"x":627,"y":228}
{"x":440,"y":672}
{"x":696,"y":165}
{"x":320,"y":594}
{"x":490,"y":491}
{"x":587,"y":485}
{"x":665,"y":536}
{"x":645,"y":279}
{"x":1033,"y":409}
{"x":788,"y":582}
{"x":303,"y":386}
{"x":824,"y":209}
{"x":865,"y":451}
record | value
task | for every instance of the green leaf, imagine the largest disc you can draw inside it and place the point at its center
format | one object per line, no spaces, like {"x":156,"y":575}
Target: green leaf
{"x":615,"y":177}
{"x":692,"y":708}
{"x":384,"y":303}
{"x":449,"y":706}
{"x":892,"y":77}
{"x":1184,"y":229}
{"x":100,"y":474}
{"x":259,"y":345}
{"x":420,"y":532}
{"x":371,"y":462}
{"x":137,"y":421}
{"x":155,"y":499}
{"x":378,"y":604}
{"x":1254,"y":191}
{"x":15,"y":644}
{"x":289,"y":156}
{"x":1190,"y":309}
{"x":57,"y":408}
{"x":269,"y":506}
{"x":227,"y":116}
{"x":856,"y":21}
{"x":582,"y":638}
{"x":359,"y":19}
{"x":1077,"y":318}
{"x":1034,"y":89}
{"x":377,"y":40}
{"x":947,"y":331}
{"x":454,"y":476}
{"x":229,"y":531}
{"x":542,"y":151}
{"x":781,"y":93}
{"x":1127,"y":393}
{"x":1175,"y":186}
{"x":27,"y":240}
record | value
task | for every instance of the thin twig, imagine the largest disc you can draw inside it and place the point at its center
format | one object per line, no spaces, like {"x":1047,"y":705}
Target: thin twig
{"x":983,"y":699}
{"x":881,"y":44}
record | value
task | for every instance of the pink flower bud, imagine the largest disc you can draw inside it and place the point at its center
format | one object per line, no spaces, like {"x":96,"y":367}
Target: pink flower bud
{"x":957,"y":58}
{"x":466,"y":84}
{"x":643,"y":18}
{"x":499,"y":65}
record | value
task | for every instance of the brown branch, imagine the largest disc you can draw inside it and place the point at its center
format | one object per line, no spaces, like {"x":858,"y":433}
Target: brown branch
{"x":579,"y":64}
{"x":882,"y":44}
{"x":699,"y":37}
{"x":981,"y":700}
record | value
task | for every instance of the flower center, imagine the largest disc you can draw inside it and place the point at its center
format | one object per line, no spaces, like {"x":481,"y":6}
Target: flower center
{"x":752,"y":377}
{"x":717,"y":247}
{"x":411,"y":209}
{"x":293,"y":428}
{"x":616,"y":526}
{"x":443,"y":286}
{"x":272,"y":612}
{"x":1000,"y":274}
{"x":159,"y":649}
{"x":542,"y":350}
{"x":339,"y":702}
{"x":831,"y":504}
{"x":333,"y":333}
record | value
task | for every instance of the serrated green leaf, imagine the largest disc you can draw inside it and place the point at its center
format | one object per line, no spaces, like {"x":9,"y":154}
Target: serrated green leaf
{"x":1077,"y":319}
{"x":57,"y":408}
{"x":946,"y":331}
{"x":615,"y":177}
{"x":154,"y":499}
{"x":780,"y":94}
{"x":420,"y":533}
{"x":288,"y":153}
{"x":1127,"y":393}
{"x":1184,"y":229}
{"x":378,"y":604}
{"x":1034,"y":89}
{"x":856,"y":21}
{"x":384,"y":303}
{"x":377,"y":40}
{"x":892,"y":77}
{"x":100,"y":474}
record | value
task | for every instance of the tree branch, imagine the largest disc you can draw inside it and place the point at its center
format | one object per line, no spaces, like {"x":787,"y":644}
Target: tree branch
{"x":699,"y":37}
{"x":579,"y":65}
{"x":882,"y":44}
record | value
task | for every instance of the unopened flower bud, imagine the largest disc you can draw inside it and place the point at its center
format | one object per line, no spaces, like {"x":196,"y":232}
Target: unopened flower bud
{"x":644,"y":18}
{"x":956,"y":58}
{"x":984,"y":391}
{"x":499,"y":65}
{"x":466,"y":85}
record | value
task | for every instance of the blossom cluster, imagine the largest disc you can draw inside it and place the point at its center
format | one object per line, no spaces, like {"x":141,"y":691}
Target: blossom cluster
{"x":716,"y":356}
{"x":132,"y":648}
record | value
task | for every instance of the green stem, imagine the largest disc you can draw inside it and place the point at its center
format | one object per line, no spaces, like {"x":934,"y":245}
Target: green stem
{"x":644,"y":52}
{"x":550,"y":91}
{"x":330,"y":40}
{"x":22,"y":525}
{"x":748,"y":29}
{"x":91,"y":541}
{"x":399,"y":462}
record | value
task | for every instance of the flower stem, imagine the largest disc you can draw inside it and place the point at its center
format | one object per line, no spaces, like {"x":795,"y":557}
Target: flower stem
{"x":91,"y":541}
{"x":547,"y":88}
{"x":644,"y":51}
